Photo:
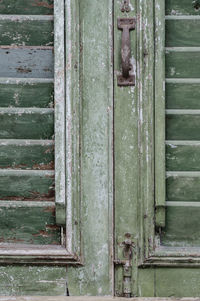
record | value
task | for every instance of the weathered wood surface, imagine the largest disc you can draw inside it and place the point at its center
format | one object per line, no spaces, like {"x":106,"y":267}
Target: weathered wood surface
{"x":25,"y":184}
{"x":184,"y":7}
{"x":183,"y":186}
{"x":183,"y":125}
{"x":24,"y":7}
{"x":29,"y":280}
{"x":26,"y":123}
{"x":182,"y":31}
{"x":28,"y":222}
{"x":26,"y":62}
{"x":183,"y":94}
{"x":23,"y":30}
{"x":27,"y":154}
{"x":183,"y":62}
{"x":19,"y":92}
{"x":183,"y":155}
{"x":89,"y":298}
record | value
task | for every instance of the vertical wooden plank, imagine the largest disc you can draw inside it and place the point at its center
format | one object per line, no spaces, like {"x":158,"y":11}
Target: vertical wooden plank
{"x":125,"y":150}
{"x":94,"y":278}
{"x":59,"y":123}
{"x":160,"y":112}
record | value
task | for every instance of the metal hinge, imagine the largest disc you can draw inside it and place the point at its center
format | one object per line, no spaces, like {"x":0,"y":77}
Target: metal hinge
{"x":126,"y":263}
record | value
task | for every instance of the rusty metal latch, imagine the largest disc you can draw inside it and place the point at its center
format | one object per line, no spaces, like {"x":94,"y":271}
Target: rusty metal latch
{"x":126,"y":25}
{"x":128,"y":246}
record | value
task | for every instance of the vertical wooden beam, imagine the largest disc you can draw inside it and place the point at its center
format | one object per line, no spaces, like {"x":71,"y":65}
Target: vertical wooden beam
{"x":160,"y":194}
{"x":59,"y":92}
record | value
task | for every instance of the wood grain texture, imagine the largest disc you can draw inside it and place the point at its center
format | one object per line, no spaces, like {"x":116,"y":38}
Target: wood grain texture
{"x":183,"y":156}
{"x":26,"y":123}
{"x":27,"y":154}
{"x":182,"y":126}
{"x":182,"y":63}
{"x":26,"y":62}
{"x":181,"y":31}
{"x":25,"y":223}
{"x":183,"y":94}
{"x":23,"y":30}
{"x":183,"y":187}
{"x":27,"y":185}
{"x":24,"y":7}
{"x":26,"y":93}
{"x":181,"y":221}
{"x":184,"y":7}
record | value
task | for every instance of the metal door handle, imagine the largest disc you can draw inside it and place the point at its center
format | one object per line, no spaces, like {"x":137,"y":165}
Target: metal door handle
{"x":126,"y":25}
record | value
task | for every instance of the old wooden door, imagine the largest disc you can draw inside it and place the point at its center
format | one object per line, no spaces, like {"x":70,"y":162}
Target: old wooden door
{"x":108,"y":90}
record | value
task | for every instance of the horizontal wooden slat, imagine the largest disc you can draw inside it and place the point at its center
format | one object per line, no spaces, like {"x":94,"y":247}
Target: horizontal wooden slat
{"x":183,"y":125}
{"x":26,"y":123}
{"x":182,"y":156}
{"x":24,"y":7}
{"x":27,"y":185}
{"x":27,"y":154}
{"x":26,"y":223}
{"x":183,"y":186}
{"x":26,"y":92}
{"x":26,"y":62}
{"x":183,"y":62}
{"x":26,"y":30}
{"x":184,"y":7}
{"x":178,"y":32}
{"x":182,"y":94}
{"x":182,"y":226}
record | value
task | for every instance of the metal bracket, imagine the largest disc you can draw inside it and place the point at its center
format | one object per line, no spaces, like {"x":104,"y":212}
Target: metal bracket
{"x":126,"y":25}
{"x":125,"y":7}
{"x":126,"y":262}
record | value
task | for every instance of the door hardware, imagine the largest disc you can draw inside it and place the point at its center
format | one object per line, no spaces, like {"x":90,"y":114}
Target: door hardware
{"x":125,"y":7}
{"x":126,"y":25}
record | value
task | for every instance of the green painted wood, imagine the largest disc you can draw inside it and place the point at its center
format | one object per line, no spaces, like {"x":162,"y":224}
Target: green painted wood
{"x":26,"y":93}
{"x":24,"y":185}
{"x":24,"y":154}
{"x":182,"y":31}
{"x":28,"y":223}
{"x":183,"y":156}
{"x":183,"y":94}
{"x":182,"y":125}
{"x":24,"y":7}
{"x":95,"y":277}
{"x":26,"y":62}
{"x":26,"y":123}
{"x":183,"y":63}
{"x":146,"y":283}
{"x":177,"y":282}
{"x":183,"y":186}
{"x":182,"y":226}
{"x":184,"y":7}
{"x":32,"y":281}
{"x":160,"y":112}
{"x":23,"y":30}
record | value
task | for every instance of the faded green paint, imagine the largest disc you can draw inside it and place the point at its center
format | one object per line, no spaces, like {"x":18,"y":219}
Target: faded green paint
{"x":25,"y":123}
{"x":95,"y":277}
{"x":179,"y":158}
{"x":24,"y":185}
{"x":32,"y":281}
{"x":177,"y":37}
{"x":183,"y":94}
{"x":24,"y":7}
{"x":28,"y":223}
{"x":183,"y":125}
{"x":27,"y":154}
{"x":183,"y":7}
{"x":23,"y":30}
{"x":26,"y":93}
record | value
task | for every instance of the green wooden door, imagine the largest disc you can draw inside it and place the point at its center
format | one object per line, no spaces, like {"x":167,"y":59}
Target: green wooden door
{"x":99,"y":182}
